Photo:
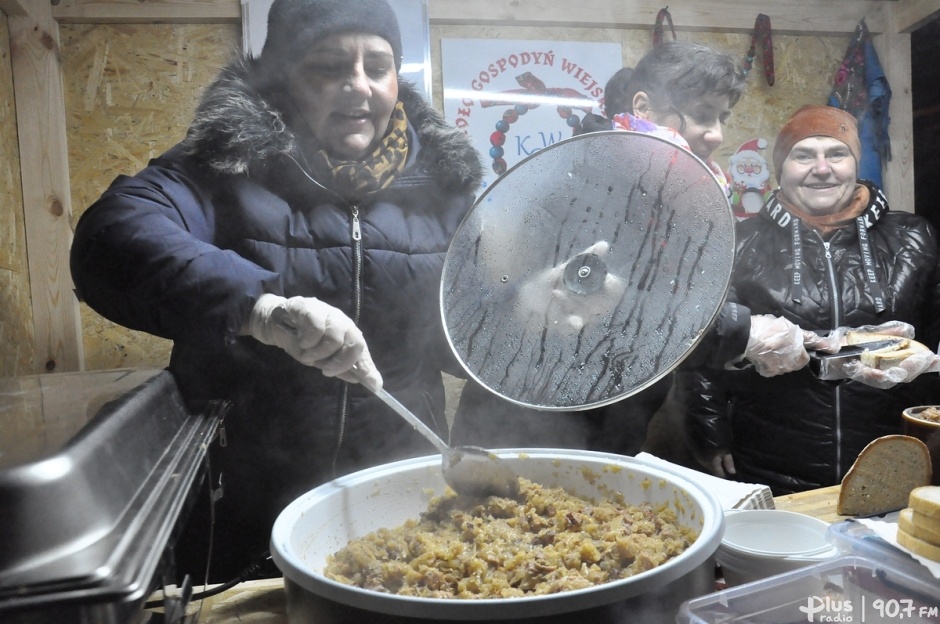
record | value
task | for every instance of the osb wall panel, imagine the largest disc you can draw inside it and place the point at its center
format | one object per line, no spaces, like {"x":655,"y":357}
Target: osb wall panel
{"x":16,"y":319}
{"x":130,"y":93}
{"x":805,"y":66}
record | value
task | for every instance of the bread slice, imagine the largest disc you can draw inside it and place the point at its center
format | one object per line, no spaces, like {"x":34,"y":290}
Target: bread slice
{"x":858,"y":338}
{"x":913,"y":524}
{"x":918,"y":546}
{"x":883,"y":475}
{"x":926,"y":500}
{"x":928,"y":523}
{"x":885,"y":357}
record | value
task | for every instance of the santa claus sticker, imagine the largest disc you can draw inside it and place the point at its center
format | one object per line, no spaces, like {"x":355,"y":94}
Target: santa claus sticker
{"x":750,"y":178}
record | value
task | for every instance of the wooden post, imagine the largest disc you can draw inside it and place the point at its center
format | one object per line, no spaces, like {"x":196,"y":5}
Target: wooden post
{"x":894,"y":52}
{"x":40,"y":118}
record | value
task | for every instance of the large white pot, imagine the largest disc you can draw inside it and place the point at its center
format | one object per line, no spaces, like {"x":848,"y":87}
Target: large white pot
{"x":323,"y":520}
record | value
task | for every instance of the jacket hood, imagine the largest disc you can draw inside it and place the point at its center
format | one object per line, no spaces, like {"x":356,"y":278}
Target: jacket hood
{"x":239,"y":125}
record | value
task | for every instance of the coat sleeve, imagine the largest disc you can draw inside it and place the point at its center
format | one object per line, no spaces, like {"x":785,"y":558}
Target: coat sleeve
{"x":708,"y":428}
{"x":143,"y":256}
{"x":726,"y":340}
{"x":931,"y":333}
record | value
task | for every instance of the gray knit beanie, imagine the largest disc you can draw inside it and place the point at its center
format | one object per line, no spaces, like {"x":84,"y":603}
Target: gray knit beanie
{"x":294,"y":25}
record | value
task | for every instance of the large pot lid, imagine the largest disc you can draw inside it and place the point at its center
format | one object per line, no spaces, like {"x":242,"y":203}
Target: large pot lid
{"x":588,"y":271}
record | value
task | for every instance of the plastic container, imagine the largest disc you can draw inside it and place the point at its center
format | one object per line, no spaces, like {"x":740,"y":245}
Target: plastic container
{"x":854,"y":538}
{"x":845,"y":589}
{"x":758,"y":543}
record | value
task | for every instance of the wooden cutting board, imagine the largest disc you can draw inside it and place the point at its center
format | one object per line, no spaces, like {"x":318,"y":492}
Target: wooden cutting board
{"x":819,"y":503}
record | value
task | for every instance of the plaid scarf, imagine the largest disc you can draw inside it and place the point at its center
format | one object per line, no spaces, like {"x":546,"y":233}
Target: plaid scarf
{"x":356,"y":179}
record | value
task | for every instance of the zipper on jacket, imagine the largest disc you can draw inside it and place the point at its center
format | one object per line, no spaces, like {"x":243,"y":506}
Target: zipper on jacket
{"x":836,"y":299}
{"x":833,"y":285}
{"x":356,"y":236}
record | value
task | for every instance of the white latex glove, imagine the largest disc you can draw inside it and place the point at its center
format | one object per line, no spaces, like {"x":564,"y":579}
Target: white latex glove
{"x":906,"y":371}
{"x":315,"y":334}
{"x":776,"y":346}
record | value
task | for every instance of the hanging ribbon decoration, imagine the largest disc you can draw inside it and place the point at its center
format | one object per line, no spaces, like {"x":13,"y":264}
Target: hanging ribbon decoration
{"x":762,"y":33}
{"x":662,"y":16}
{"x":860,"y":87}
{"x":848,"y":85}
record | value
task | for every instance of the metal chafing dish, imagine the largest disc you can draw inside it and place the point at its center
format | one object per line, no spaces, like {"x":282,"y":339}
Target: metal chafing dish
{"x":582,"y":276}
{"x":95,"y":470}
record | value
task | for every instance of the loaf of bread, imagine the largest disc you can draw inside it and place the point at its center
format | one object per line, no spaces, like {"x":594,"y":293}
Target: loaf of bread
{"x":883,"y":475}
{"x":885,"y":357}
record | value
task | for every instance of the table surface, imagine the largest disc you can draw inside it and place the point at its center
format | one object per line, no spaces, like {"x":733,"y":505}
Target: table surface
{"x":263,"y":601}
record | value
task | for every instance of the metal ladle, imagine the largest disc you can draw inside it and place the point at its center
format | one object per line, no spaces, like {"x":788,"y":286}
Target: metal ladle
{"x":469,"y":470}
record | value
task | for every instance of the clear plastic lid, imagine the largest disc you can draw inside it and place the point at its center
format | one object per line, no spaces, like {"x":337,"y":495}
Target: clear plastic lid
{"x":846,"y":589}
{"x":588,"y":271}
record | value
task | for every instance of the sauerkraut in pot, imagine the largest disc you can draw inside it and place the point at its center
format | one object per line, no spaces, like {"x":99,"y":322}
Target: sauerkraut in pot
{"x":547,"y":541}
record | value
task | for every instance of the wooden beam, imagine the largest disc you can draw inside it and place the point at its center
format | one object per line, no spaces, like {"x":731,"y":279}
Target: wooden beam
{"x":787,"y":16}
{"x":894,"y":52}
{"x":47,"y":208}
{"x":13,"y":8}
{"x":148,"y":11}
{"x":912,"y":14}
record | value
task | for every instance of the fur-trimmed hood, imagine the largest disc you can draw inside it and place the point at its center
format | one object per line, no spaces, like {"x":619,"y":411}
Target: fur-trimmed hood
{"x":237,"y":127}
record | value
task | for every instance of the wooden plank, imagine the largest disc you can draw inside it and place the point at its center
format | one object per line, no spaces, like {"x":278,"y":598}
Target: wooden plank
{"x":787,"y":16}
{"x":13,"y":7}
{"x":40,"y":118}
{"x":151,"y":11}
{"x":912,"y":14}
{"x":819,"y":503}
{"x":262,"y":601}
{"x":894,"y":52}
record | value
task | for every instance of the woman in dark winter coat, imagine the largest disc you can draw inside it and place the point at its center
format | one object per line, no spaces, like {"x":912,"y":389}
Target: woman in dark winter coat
{"x":305,"y":215}
{"x":826,"y":253}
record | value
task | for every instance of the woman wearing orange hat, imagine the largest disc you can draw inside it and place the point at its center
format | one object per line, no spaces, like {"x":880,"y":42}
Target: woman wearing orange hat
{"x":825,"y":252}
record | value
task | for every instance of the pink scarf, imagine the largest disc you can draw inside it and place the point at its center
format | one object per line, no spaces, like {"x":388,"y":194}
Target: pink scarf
{"x":626,"y":121}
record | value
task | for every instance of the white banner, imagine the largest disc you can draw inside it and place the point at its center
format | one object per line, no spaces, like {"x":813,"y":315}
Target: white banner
{"x":514,"y":98}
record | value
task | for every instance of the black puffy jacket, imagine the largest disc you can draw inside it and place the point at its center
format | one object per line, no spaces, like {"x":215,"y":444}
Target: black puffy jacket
{"x":183,"y":249}
{"x":795,"y":432}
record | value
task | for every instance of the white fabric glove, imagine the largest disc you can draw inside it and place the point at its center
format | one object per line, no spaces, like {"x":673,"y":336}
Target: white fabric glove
{"x":777,"y":346}
{"x":906,"y":371}
{"x":315,"y":334}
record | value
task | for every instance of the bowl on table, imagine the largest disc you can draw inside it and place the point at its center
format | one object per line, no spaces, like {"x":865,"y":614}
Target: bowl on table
{"x":758,"y":543}
{"x":923,"y":423}
{"x":323,"y":520}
